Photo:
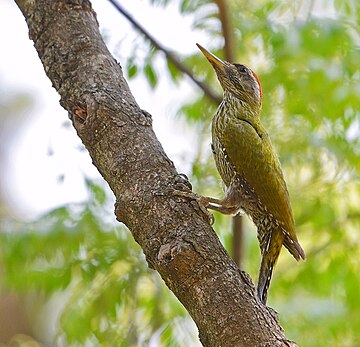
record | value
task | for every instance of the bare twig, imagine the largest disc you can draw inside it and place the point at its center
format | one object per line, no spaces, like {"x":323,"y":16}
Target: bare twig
{"x":238,"y":240}
{"x":229,"y":50}
{"x":214,"y":97}
{"x":227,"y":29}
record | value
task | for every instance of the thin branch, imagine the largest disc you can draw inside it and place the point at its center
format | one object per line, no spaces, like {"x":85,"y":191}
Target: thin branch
{"x":229,"y":49}
{"x":238,"y":240}
{"x":227,"y":29}
{"x":214,"y":97}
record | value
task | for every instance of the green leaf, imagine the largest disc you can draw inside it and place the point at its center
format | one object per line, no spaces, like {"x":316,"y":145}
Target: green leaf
{"x":150,"y":74}
{"x":132,"y":70}
{"x":96,"y":191}
{"x":174,"y":71}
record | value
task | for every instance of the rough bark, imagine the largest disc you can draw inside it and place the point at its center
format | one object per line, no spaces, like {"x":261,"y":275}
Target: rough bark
{"x":176,"y":238}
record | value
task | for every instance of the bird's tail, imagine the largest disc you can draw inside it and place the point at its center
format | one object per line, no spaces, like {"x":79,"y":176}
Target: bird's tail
{"x":293,"y":246}
{"x":270,"y":245}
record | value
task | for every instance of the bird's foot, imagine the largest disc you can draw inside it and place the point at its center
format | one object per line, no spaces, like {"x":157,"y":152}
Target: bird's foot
{"x":183,"y":189}
{"x":201,"y":202}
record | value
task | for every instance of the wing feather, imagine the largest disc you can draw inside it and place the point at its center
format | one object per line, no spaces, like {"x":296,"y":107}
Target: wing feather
{"x":250,"y":150}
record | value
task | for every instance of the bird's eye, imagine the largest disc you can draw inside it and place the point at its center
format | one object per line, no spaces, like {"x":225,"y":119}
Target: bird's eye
{"x":242,"y":69}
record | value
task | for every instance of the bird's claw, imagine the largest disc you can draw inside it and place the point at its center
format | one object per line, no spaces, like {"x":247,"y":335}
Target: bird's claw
{"x":201,"y":203}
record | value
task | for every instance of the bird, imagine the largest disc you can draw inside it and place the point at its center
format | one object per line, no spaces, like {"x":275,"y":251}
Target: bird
{"x":249,"y":167}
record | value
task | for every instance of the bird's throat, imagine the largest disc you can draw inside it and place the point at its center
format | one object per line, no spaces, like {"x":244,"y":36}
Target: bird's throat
{"x":234,"y":106}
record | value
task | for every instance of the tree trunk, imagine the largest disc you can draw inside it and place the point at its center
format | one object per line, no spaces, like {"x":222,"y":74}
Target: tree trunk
{"x":176,"y":238}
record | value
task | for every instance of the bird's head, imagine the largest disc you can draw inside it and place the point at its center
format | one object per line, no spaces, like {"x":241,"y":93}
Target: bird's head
{"x":238,"y":79}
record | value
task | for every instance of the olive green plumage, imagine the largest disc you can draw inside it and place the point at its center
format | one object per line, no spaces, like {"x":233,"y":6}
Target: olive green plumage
{"x":249,"y":167}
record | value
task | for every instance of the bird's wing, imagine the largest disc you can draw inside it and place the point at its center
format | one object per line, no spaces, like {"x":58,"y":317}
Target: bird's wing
{"x":250,"y":151}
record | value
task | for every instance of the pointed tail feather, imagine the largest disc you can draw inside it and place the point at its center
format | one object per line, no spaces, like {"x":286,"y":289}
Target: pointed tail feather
{"x":294,"y":248}
{"x":270,"y":254}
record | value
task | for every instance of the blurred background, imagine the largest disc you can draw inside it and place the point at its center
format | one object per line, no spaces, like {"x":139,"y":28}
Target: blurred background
{"x":70,"y":275}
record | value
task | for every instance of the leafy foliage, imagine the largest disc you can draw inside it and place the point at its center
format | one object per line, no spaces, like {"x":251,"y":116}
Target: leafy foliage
{"x":113,"y":298}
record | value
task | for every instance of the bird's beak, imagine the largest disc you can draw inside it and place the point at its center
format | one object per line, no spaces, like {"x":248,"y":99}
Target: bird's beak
{"x":217,"y":63}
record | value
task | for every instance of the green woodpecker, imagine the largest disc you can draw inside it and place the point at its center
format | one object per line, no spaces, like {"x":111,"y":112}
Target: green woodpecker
{"x":249,"y":167}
